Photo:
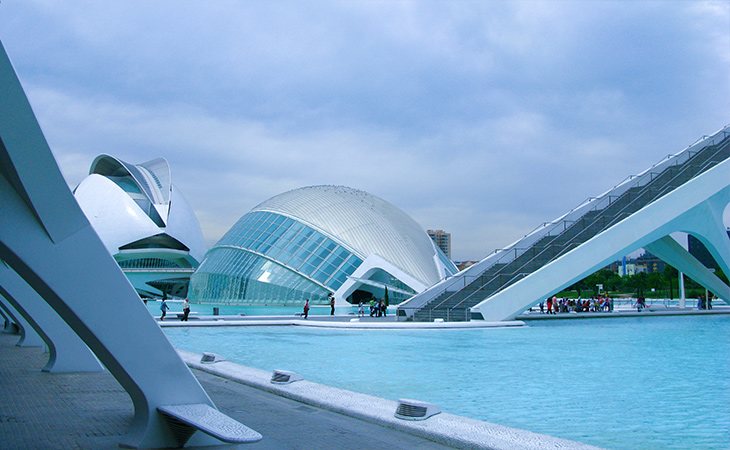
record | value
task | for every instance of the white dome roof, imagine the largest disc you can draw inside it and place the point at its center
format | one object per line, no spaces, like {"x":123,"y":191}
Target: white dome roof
{"x":116,"y":215}
{"x":364,"y":223}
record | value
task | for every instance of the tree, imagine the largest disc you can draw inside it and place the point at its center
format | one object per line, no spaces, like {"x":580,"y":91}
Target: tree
{"x":386,"y":300}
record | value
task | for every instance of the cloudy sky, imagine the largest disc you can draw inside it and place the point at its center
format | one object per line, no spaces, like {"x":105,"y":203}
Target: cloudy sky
{"x":482,"y":118}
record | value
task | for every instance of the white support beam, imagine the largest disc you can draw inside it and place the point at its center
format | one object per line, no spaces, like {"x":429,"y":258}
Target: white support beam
{"x":66,"y":351}
{"x":28,"y":336}
{"x":684,"y":209}
{"x":669,"y":251}
{"x":47,"y":240}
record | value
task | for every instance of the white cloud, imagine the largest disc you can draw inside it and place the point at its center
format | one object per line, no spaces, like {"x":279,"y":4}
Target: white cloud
{"x":484,"y":119}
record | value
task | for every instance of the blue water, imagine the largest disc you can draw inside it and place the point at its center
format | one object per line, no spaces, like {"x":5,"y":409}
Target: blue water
{"x":634,"y":383}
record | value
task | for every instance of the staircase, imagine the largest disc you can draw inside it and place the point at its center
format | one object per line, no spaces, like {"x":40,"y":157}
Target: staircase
{"x":552,"y":240}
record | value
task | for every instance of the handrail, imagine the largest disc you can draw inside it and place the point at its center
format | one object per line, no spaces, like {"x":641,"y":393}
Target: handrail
{"x":567,"y":221}
{"x":668,"y":186}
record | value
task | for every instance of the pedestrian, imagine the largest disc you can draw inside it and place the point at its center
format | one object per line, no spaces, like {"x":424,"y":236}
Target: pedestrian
{"x":163,"y":308}
{"x":306,"y":309}
{"x":542,"y":307}
{"x":372,"y":306}
{"x":186,"y":310}
{"x":550,"y":305}
{"x":332,"y":304}
{"x":360,"y":310}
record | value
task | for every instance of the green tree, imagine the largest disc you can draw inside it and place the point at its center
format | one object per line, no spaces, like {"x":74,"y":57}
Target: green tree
{"x":386,"y":300}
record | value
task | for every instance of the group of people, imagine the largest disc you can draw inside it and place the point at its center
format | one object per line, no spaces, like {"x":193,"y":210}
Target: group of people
{"x":164,"y":307}
{"x":378,"y":308}
{"x":563,"y":305}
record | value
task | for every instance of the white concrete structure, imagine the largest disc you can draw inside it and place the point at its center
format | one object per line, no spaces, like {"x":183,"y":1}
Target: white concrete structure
{"x":47,"y":240}
{"x":316,"y":240}
{"x":143,"y":220}
{"x":687,"y":192}
{"x":66,"y":351}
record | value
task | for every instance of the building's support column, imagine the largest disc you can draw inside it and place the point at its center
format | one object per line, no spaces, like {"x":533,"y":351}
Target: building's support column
{"x":66,"y":351}
{"x":9,"y":327}
{"x":707,"y":225}
{"x":28,"y":336}
{"x":669,"y":251}
{"x":682,"y":294}
{"x":46,"y":239}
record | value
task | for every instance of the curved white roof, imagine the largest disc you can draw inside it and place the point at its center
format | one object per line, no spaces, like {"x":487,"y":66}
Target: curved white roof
{"x":118,"y":215}
{"x":363,"y":222}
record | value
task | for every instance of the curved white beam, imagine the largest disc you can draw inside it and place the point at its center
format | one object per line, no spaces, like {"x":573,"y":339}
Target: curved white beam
{"x":67,"y":352}
{"x":46,"y":239}
{"x":691,"y":207}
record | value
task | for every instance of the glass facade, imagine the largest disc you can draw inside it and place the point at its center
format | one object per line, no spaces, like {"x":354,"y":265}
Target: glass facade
{"x":268,"y":258}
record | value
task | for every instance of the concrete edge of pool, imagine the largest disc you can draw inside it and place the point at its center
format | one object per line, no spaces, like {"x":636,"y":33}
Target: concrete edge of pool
{"x":237,"y":321}
{"x":448,"y":429}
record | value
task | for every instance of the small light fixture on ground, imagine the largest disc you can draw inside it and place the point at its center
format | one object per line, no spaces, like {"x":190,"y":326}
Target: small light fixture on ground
{"x":284,"y":377}
{"x":210,"y":358}
{"x":415,"y":410}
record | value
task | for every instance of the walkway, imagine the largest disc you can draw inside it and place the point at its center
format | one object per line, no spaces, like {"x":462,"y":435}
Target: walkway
{"x":49,"y":411}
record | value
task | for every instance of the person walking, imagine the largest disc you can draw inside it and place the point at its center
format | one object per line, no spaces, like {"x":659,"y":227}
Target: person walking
{"x":186,"y":310}
{"x":332,"y":304}
{"x":306,"y":309}
{"x":360,"y":310}
{"x":163,"y":308}
{"x":550,"y":305}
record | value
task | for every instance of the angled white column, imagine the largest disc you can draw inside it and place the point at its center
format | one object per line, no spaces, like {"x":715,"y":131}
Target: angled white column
{"x":691,"y":207}
{"x":66,"y":351}
{"x":707,"y":226}
{"x":9,"y":327}
{"x":669,"y":251}
{"x":46,"y":239}
{"x":28,"y":336}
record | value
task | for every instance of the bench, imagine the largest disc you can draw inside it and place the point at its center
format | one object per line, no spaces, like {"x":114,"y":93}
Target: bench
{"x":184,"y":420}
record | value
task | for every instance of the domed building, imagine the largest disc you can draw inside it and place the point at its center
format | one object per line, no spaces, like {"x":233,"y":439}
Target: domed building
{"x":144,"y":222}
{"x":313,"y":241}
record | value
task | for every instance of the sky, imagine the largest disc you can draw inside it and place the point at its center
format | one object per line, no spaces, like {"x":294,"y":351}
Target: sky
{"x":484,"y":119}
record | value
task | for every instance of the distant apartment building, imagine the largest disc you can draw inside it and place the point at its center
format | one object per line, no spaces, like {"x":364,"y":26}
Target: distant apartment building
{"x":442,"y":240}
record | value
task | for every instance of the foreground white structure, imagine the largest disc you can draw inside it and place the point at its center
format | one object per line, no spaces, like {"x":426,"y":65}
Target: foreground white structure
{"x":319,"y":240}
{"x":687,"y":192}
{"x":49,"y":243}
{"x":144,"y":221}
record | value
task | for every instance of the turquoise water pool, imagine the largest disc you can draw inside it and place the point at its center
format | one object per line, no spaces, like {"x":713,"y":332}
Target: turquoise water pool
{"x":635,"y":383}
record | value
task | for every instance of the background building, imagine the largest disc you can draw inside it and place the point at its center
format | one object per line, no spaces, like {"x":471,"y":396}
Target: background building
{"x":144,"y":222}
{"x":442,"y":240}
{"x":309,"y":242}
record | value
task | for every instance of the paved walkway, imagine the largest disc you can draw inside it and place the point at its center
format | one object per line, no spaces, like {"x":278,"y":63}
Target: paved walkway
{"x":91,"y":411}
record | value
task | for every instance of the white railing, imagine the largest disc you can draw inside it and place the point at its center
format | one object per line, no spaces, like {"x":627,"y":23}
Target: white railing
{"x":557,"y":226}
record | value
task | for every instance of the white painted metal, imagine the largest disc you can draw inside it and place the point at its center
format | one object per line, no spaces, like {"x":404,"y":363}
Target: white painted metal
{"x":28,"y":336}
{"x":695,"y":207}
{"x":47,"y":240}
{"x":66,"y":351}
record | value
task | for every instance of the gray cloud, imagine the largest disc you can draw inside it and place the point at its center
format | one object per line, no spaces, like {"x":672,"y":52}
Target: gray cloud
{"x":482,"y":118}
